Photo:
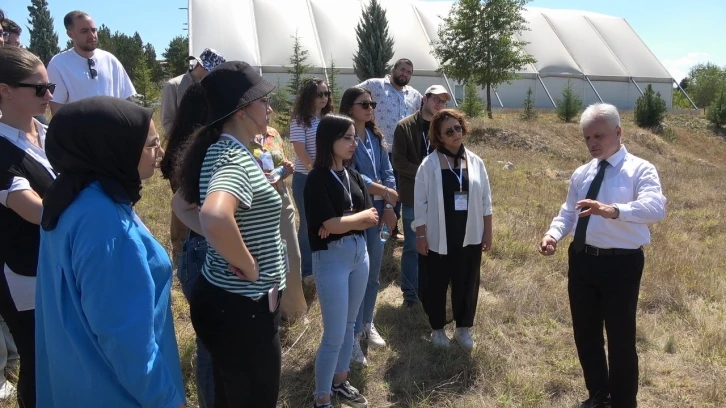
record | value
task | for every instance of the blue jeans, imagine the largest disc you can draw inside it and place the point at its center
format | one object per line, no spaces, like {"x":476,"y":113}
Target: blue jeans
{"x":375,"y":258}
{"x":341,"y":273}
{"x":409,"y":257}
{"x":306,"y":254}
{"x":189,"y":269}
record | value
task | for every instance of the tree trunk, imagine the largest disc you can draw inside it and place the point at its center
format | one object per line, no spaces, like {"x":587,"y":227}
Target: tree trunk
{"x":489,"y":101}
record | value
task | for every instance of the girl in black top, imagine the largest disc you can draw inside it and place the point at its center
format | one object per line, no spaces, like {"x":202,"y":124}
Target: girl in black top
{"x":25,"y":175}
{"x":338,"y":209}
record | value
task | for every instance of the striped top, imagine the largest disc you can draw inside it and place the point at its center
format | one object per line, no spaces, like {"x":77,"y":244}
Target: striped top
{"x":300,"y":133}
{"x":230,"y":168}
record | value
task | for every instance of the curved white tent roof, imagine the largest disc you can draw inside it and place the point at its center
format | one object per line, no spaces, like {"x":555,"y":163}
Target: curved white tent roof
{"x":602,"y":54}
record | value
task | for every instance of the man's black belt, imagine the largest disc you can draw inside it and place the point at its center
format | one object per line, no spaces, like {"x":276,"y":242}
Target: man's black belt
{"x":595,"y":251}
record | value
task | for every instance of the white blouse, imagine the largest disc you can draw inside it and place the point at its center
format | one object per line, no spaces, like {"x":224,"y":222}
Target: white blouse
{"x":428,"y":199}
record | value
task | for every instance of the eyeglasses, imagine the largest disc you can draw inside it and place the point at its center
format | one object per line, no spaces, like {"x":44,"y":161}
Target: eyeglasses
{"x":436,"y":100}
{"x":265,"y":100}
{"x":367,"y":104}
{"x":91,"y":70}
{"x":456,"y":129}
{"x":351,"y":139}
{"x":40,"y":89}
{"x":325,"y":94}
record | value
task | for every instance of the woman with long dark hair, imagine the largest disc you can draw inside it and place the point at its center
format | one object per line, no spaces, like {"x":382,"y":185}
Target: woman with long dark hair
{"x":104,"y":282}
{"x":313,"y":101}
{"x":189,"y":248}
{"x":371,"y":161}
{"x":235,"y":302}
{"x":25,"y":176}
{"x":339,"y":210}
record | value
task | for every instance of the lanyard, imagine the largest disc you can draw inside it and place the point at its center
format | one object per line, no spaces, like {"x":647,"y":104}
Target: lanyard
{"x":234,"y":139}
{"x":371,"y":154}
{"x":347,"y":190}
{"x":459,"y":176}
{"x":427,"y":143}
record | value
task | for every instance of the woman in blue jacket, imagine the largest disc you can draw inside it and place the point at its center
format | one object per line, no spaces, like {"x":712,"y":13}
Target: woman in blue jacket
{"x":103,"y":303}
{"x":371,"y":161}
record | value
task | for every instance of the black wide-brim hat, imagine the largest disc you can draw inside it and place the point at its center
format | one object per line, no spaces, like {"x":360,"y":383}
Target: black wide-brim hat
{"x":230,"y":86}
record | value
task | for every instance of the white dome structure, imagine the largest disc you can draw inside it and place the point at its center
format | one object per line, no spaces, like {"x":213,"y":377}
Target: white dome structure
{"x":602,"y":55}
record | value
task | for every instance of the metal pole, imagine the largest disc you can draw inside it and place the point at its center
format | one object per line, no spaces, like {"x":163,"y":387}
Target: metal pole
{"x":684,"y":93}
{"x":546,"y":90}
{"x":593,"y":88}
{"x":636,"y":85}
{"x":451,"y":91}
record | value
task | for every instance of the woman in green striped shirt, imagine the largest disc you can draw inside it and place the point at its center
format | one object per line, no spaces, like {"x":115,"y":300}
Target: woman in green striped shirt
{"x":234,"y":304}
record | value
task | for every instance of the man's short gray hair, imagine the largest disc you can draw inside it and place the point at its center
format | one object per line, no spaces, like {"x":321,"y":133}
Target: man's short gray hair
{"x":598,"y":111}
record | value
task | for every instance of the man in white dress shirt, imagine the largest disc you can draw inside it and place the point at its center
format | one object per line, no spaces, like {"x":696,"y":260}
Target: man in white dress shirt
{"x":610,"y":203}
{"x":84,"y":70}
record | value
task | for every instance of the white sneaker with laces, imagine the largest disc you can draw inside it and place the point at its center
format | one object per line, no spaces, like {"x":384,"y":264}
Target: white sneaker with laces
{"x":462,"y":336}
{"x":358,"y":357}
{"x":7,"y":390}
{"x":440,"y":339}
{"x":371,"y":335}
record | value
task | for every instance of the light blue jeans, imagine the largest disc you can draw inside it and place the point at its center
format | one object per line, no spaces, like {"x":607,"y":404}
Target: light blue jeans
{"x":375,"y":258}
{"x":298,"y":194}
{"x":188,"y":270}
{"x":341,"y":273}
{"x":409,"y":257}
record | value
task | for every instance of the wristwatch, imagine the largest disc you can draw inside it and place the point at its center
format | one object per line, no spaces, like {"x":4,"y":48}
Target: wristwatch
{"x":388,"y":205}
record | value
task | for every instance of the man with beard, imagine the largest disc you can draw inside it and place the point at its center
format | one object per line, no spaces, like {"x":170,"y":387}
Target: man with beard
{"x":396,"y":100}
{"x":85,"y":71}
{"x":410,"y":146}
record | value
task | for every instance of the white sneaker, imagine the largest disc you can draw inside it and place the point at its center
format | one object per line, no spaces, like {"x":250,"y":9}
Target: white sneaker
{"x":462,"y":336}
{"x":7,"y":390}
{"x":440,"y":339}
{"x":371,"y":335}
{"x":358,"y":357}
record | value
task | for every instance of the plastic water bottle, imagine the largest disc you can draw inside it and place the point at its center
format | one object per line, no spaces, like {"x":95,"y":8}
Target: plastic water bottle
{"x":385,"y":234}
{"x":275,"y":175}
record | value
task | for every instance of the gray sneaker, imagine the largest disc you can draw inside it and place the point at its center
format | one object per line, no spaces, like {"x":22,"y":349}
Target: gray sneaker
{"x":349,"y":395}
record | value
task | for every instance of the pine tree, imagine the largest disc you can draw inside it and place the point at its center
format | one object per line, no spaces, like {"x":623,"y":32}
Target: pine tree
{"x":716,"y":113}
{"x":375,"y":45}
{"x":147,"y":89}
{"x":157,"y":73}
{"x":43,"y":39}
{"x":298,"y":68}
{"x":280,"y":103}
{"x":177,"y":55}
{"x":478,"y":42}
{"x":333,"y":73}
{"x":570,"y":105}
{"x":471,"y":106}
{"x":529,"y":113}
{"x":650,"y":109}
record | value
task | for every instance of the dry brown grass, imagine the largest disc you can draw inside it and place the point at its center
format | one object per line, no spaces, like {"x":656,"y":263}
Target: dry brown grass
{"x":526,"y":356}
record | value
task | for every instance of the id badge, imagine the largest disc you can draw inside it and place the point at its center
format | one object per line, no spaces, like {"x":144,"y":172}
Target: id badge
{"x":377,"y":198}
{"x":272,"y":297}
{"x":461,"y":201}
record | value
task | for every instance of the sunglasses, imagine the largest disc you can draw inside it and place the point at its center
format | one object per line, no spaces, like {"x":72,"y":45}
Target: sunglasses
{"x":40,"y":89}
{"x":91,"y":70}
{"x":366,"y":104}
{"x":456,"y":129}
{"x":325,"y":94}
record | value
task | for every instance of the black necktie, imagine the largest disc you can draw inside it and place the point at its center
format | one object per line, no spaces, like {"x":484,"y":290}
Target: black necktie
{"x":581,"y":229}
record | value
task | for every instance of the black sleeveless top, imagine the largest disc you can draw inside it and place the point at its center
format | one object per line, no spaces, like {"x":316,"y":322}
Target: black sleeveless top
{"x":20,"y":239}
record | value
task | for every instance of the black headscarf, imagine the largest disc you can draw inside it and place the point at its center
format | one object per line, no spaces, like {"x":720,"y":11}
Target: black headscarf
{"x":458,"y":155}
{"x":95,"y":139}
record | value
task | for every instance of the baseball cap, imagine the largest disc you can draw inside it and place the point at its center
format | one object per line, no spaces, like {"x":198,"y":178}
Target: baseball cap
{"x":209,"y":58}
{"x":437,"y":90}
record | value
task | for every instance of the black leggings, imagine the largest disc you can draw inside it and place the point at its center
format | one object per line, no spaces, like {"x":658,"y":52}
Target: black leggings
{"x":243,"y":339}
{"x":22,"y":327}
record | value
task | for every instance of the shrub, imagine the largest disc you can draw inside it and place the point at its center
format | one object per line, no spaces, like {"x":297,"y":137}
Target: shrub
{"x":650,"y":109}
{"x":716,"y":113}
{"x":570,"y":105}
{"x":529,"y":113}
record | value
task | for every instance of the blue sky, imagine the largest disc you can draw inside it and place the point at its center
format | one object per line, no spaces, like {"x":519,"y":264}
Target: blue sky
{"x":679,"y":33}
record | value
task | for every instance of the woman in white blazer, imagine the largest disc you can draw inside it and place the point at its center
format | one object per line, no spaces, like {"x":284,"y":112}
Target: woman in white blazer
{"x":453,"y":223}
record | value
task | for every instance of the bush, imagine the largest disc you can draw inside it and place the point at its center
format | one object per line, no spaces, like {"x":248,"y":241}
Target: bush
{"x":650,"y":109}
{"x":716,"y":113}
{"x":570,"y":105}
{"x":471,"y":106}
{"x":529,"y":113}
